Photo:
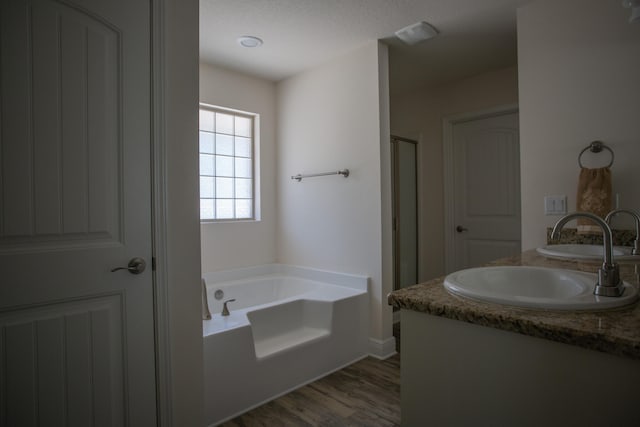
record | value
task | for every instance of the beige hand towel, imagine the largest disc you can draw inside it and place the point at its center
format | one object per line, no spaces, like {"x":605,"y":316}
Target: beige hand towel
{"x":594,"y":195}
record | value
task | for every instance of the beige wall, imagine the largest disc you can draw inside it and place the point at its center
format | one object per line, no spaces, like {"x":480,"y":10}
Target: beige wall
{"x":329,"y":118}
{"x":579,"y":73}
{"x":418,"y":115}
{"x":228,"y":245}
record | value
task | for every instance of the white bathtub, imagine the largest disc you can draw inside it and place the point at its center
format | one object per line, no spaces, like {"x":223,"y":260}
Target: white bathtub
{"x":287,"y":327}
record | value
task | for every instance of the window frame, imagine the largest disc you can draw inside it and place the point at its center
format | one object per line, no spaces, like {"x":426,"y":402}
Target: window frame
{"x":254,"y":117}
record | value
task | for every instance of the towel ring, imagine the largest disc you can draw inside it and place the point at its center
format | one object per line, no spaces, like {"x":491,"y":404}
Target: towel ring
{"x":595,"y":147}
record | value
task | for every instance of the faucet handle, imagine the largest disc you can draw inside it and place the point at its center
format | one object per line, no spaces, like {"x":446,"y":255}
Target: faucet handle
{"x":225,"y":310}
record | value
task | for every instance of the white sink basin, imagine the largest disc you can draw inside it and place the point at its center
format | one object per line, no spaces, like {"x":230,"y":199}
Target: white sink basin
{"x":535,"y":287}
{"x":587,"y":252}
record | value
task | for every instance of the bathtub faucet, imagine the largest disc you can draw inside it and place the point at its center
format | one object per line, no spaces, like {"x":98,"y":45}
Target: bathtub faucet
{"x":609,"y":283}
{"x":225,"y":310}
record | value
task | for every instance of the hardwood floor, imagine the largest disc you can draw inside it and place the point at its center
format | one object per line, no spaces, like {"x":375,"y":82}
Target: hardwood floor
{"x":366,"y":393}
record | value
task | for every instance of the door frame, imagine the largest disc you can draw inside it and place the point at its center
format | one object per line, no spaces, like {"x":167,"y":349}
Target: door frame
{"x":395,"y":204}
{"x":159,"y":217}
{"x":175,"y":220}
{"x":448,"y":123}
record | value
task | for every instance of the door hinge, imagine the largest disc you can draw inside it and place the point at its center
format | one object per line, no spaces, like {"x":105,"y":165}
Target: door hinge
{"x":153,"y":263}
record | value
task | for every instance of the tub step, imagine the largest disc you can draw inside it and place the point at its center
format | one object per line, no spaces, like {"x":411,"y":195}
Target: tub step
{"x":268,"y":346}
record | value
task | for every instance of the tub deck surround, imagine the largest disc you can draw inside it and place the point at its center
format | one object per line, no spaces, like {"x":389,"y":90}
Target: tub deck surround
{"x":614,"y":331}
{"x":277,"y":270}
{"x":250,"y":300}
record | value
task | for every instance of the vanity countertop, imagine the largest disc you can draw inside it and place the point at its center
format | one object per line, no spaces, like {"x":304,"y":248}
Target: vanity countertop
{"x":614,"y":331}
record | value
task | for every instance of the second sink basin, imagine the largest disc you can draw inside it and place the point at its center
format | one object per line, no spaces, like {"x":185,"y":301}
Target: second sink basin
{"x":535,"y":287}
{"x":586,"y":252}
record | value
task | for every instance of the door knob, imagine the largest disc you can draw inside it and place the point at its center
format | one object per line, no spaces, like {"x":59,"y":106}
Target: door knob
{"x":461,"y":229}
{"x":135,"y":266}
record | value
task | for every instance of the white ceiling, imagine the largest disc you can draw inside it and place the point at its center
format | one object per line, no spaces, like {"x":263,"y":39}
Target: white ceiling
{"x":475,"y":36}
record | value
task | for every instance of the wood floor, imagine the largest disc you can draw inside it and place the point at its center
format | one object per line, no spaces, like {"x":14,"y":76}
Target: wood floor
{"x":366,"y":393}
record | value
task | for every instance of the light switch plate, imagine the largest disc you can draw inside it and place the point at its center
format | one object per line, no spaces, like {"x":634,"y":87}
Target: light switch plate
{"x":555,"y":205}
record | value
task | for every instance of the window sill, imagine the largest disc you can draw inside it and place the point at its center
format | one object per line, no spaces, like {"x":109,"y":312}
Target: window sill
{"x":228,"y":221}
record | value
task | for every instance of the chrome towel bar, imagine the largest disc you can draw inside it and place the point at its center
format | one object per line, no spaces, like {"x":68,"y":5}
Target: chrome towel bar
{"x":299,"y":177}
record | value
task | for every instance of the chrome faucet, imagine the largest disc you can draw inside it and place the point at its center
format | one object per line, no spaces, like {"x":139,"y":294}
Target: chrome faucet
{"x":636,"y":249}
{"x":609,"y":283}
{"x":225,"y":310}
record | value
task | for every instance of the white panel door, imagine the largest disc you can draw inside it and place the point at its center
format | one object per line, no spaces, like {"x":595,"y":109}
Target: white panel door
{"x":487,"y":190}
{"x":76,"y":340}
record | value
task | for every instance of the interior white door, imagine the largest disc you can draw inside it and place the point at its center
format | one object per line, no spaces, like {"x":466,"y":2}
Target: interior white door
{"x":487,"y":190}
{"x":76,"y":340}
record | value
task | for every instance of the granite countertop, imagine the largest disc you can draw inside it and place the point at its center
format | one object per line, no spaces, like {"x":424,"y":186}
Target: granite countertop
{"x":615,"y":331}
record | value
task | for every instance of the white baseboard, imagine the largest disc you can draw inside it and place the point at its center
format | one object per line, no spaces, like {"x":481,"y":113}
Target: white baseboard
{"x":382,"y":349}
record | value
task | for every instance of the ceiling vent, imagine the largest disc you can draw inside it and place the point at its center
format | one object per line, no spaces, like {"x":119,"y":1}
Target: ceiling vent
{"x":416,"y":33}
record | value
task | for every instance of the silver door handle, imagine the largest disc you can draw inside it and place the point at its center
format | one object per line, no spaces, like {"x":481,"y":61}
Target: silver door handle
{"x":136,"y":266}
{"x":461,"y":229}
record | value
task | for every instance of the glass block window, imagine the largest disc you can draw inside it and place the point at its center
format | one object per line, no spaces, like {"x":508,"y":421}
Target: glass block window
{"x":226,"y":164}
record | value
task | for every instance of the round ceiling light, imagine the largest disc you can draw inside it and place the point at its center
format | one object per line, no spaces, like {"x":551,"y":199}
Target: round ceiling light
{"x":249,"y":41}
